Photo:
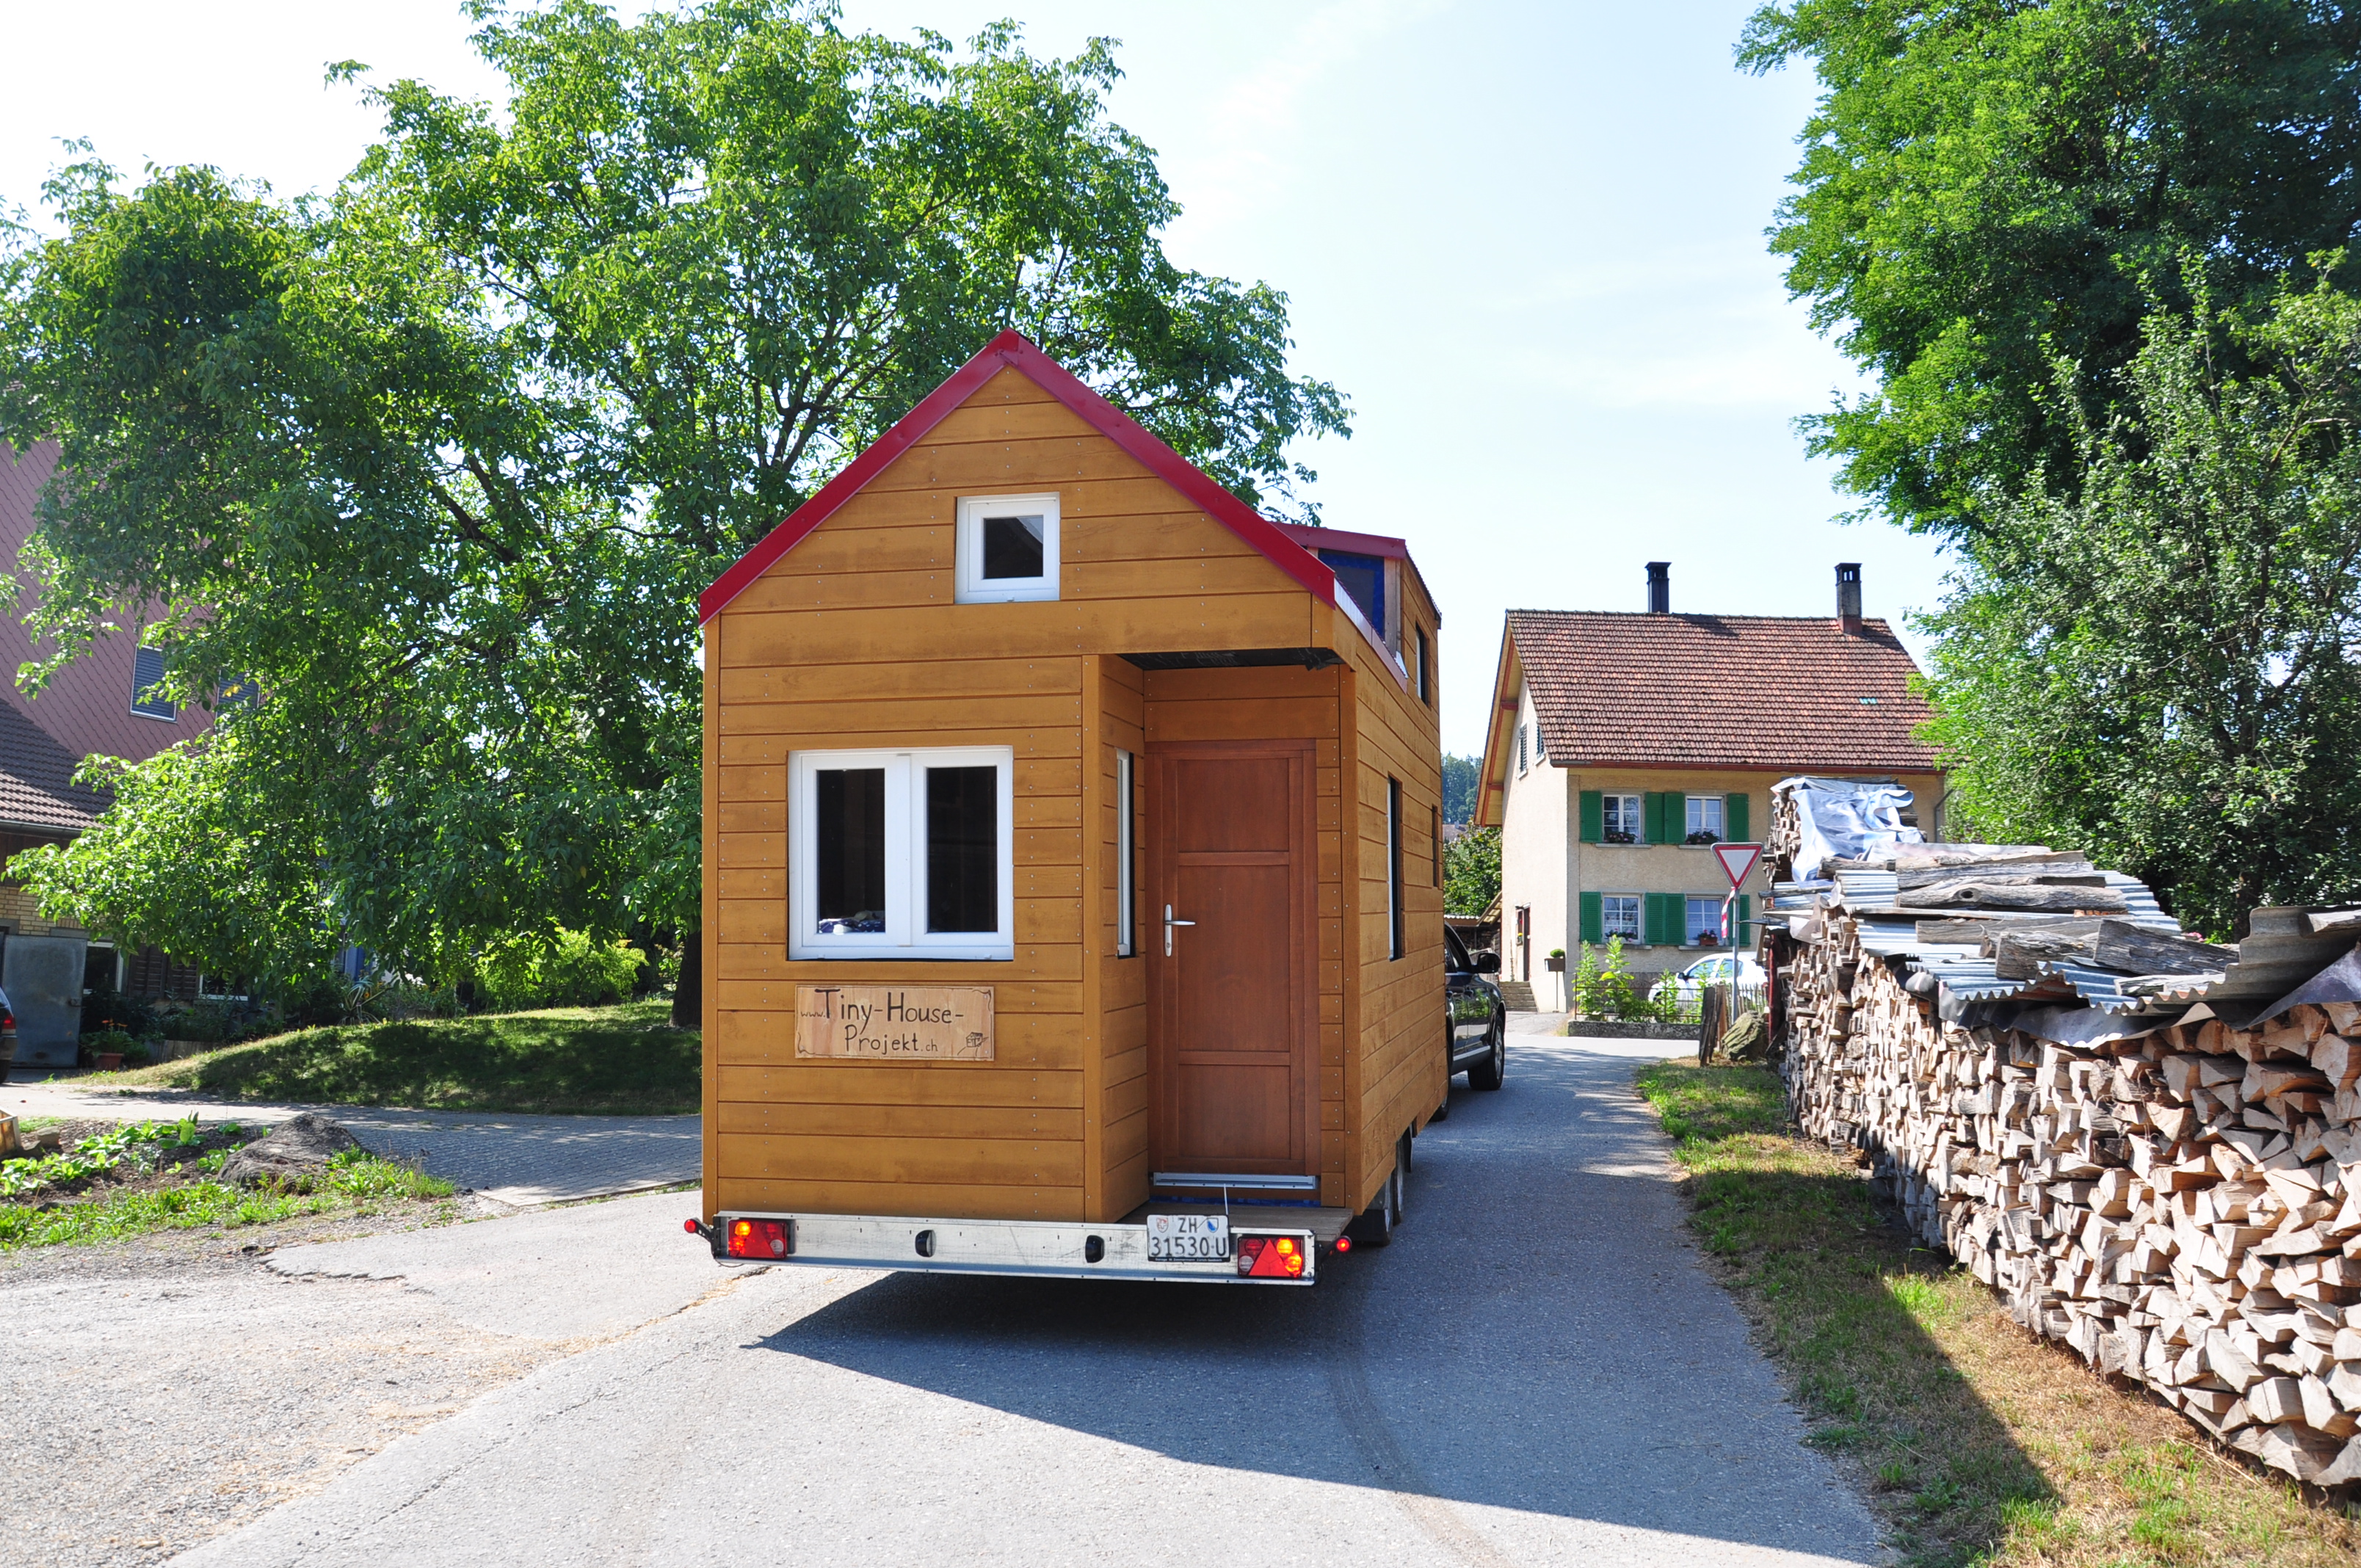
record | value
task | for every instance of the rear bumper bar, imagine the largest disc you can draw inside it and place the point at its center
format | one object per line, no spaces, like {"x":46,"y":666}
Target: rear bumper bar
{"x":1039,"y":1248}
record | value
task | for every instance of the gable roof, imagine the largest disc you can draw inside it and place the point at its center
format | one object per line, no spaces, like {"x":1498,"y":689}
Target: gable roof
{"x":1011,"y":350}
{"x":36,"y":787}
{"x":1791,"y":693}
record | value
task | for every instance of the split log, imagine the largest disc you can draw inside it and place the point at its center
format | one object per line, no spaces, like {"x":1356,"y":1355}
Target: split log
{"x":1943,"y":897}
{"x":2135,"y":949}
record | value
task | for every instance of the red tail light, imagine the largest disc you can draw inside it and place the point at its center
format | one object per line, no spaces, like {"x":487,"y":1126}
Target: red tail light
{"x":1270,"y":1257}
{"x":758,"y":1238}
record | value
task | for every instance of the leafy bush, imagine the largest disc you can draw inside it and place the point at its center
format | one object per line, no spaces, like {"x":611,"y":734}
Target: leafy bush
{"x":105,"y":1010}
{"x":563,"y":968}
{"x":1602,"y":987}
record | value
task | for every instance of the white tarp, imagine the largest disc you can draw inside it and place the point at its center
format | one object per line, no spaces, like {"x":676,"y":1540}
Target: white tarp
{"x":1847,"y":819}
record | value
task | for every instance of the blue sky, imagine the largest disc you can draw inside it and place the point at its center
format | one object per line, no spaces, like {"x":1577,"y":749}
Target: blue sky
{"x":1525,"y":240}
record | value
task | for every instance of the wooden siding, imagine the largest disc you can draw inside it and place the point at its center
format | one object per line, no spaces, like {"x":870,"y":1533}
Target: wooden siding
{"x":853,"y":639}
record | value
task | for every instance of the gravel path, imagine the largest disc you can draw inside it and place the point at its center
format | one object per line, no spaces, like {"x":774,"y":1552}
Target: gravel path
{"x":516,"y":1161}
{"x":163,"y":1392}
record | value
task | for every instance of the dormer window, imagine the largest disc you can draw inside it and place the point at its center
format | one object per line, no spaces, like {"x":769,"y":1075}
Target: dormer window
{"x":146,"y":674}
{"x":1007,"y":548}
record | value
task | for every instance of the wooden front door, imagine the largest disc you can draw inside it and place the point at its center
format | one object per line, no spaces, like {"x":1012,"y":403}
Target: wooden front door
{"x":1232,"y":1004}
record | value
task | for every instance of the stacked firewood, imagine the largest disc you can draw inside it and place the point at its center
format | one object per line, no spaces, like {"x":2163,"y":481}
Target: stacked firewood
{"x":2177,"y":1198}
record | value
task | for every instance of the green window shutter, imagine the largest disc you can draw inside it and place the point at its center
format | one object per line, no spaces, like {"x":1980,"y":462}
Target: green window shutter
{"x":1661,"y":919}
{"x":1594,"y":919}
{"x":1745,"y":916}
{"x":1652,"y":817}
{"x":1733,"y":818}
{"x":1594,"y":816}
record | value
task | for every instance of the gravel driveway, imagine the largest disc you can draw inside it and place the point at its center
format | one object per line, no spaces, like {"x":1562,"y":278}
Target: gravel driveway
{"x":515,"y":1161}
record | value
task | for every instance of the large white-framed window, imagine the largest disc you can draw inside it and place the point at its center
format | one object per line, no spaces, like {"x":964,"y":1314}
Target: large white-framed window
{"x":902,"y":854}
{"x":1126,"y":890}
{"x":1618,"y":819}
{"x":1703,"y":927}
{"x":1705,"y":819}
{"x":1007,"y":548}
{"x":1618,"y":916}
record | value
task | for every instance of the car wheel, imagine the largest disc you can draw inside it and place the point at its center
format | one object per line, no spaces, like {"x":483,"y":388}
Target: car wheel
{"x":1488,"y":1073}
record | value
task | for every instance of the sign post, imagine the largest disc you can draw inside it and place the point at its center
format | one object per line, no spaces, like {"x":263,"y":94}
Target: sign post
{"x":1738,"y":862}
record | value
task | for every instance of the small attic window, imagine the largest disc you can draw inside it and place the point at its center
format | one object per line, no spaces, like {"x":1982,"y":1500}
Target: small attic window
{"x":1364,"y":577}
{"x":1007,"y":548}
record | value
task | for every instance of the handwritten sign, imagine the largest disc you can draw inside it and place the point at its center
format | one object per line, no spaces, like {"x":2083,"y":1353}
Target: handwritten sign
{"x":894,"y":1023}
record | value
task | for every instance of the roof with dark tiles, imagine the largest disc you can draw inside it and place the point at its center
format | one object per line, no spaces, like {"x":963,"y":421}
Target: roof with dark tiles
{"x":1791,"y":693}
{"x":36,"y":787}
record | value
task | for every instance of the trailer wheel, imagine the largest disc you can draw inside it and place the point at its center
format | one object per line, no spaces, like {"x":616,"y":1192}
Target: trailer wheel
{"x":1373,"y":1226}
{"x":1488,"y":1073}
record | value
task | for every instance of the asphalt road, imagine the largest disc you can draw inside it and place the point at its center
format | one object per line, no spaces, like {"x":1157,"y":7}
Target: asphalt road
{"x":1538,"y":1371}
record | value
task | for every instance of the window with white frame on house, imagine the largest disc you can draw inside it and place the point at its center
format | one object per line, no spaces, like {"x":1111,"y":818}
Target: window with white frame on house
{"x":147,"y":673}
{"x":1704,"y":928}
{"x":1127,"y":892}
{"x":1521,"y":763}
{"x":901,"y":854}
{"x":1619,"y":916}
{"x":1007,"y":548}
{"x":1620,"y":818}
{"x":1705,"y":819}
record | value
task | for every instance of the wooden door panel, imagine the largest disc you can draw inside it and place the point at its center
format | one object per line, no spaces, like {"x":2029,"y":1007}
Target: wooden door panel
{"x":1232,"y":1010}
{"x":1234,"y":1117}
{"x":1237,"y":950}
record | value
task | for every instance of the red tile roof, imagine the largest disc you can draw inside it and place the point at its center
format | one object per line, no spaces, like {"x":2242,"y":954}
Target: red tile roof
{"x":1791,"y":693}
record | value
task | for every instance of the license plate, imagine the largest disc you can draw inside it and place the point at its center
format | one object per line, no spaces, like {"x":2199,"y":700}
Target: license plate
{"x":1188,"y":1238}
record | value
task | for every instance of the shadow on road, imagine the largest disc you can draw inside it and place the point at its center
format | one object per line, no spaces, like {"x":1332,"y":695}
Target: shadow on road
{"x":1539,"y":1337}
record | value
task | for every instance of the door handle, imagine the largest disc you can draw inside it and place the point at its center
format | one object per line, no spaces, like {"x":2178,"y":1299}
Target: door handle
{"x":1169,"y":923}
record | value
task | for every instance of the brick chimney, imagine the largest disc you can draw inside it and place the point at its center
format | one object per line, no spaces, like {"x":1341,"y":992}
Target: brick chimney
{"x":1848,"y":596}
{"x":1660,"y":587}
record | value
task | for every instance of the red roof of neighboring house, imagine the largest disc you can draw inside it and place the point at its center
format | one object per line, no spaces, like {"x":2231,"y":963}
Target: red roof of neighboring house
{"x":1012,"y":350}
{"x":1788,"y":693}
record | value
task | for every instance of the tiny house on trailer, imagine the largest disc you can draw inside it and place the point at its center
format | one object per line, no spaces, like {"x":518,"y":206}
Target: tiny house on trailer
{"x":1073,"y":860}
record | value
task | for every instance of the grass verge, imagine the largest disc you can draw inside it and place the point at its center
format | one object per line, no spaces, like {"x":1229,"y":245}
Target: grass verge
{"x":576,"y":1060}
{"x":141,"y":1177}
{"x":1979,"y":1442}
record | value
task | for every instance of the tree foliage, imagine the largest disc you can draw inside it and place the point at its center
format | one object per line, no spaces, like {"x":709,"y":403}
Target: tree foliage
{"x":2153,"y":657}
{"x":440,"y":460}
{"x":1471,"y":871}
{"x":1458,"y":788}
{"x":1987,"y":186}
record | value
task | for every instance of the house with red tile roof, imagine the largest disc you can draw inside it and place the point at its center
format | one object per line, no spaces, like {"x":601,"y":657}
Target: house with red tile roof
{"x":1622,"y":746}
{"x":99,"y":704}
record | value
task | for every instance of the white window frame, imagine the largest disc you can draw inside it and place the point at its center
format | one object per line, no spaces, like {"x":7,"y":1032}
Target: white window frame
{"x":1521,"y":763}
{"x":905,"y":858}
{"x":1637,"y":817}
{"x":1718,"y":808}
{"x":972,"y":586}
{"x":1126,"y":890}
{"x":1688,"y":927}
{"x":171,"y":711}
{"x":1607,"y":930}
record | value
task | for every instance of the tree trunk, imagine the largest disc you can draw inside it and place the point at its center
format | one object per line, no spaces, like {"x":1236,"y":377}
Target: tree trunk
{"x":688,"y":996}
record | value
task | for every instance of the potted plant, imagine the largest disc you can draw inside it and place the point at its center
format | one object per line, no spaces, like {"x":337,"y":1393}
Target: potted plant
{"x":107,"y":1048}
{"x":1558,"y":961}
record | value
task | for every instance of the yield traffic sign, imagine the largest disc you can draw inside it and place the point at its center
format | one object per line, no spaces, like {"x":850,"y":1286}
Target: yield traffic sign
{"x":1737,"y":861}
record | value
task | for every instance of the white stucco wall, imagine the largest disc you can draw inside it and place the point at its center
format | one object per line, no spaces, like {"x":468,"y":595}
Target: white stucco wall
{"x":1534,"y":831}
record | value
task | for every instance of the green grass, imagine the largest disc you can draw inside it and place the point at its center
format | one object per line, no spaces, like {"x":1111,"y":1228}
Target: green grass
{"x":581,"y":1061}
{"x":352,"y":1183}
{"x":1979,"y":1444}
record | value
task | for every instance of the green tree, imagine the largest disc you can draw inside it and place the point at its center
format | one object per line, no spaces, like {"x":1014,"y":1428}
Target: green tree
{"x":2153,"y":658}
{"x":1471,"y":871}
{"x":439,"y":460}
{"x":1986,"y":186}
{"x":1458,"y":789}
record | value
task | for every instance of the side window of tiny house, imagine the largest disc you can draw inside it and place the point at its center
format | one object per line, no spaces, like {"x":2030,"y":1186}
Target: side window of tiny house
{"x":1426,"y":671}
{"x":902,"y":854}
{"x":1363,"y":577}
{"x":1007,"y":548}
{"x":1394,"y":869}
{"x":1126,"y":892}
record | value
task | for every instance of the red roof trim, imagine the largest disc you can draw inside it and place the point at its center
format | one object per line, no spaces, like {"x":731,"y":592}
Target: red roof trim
{"x":1011,"y":350}
{"x":1319,"y":539}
